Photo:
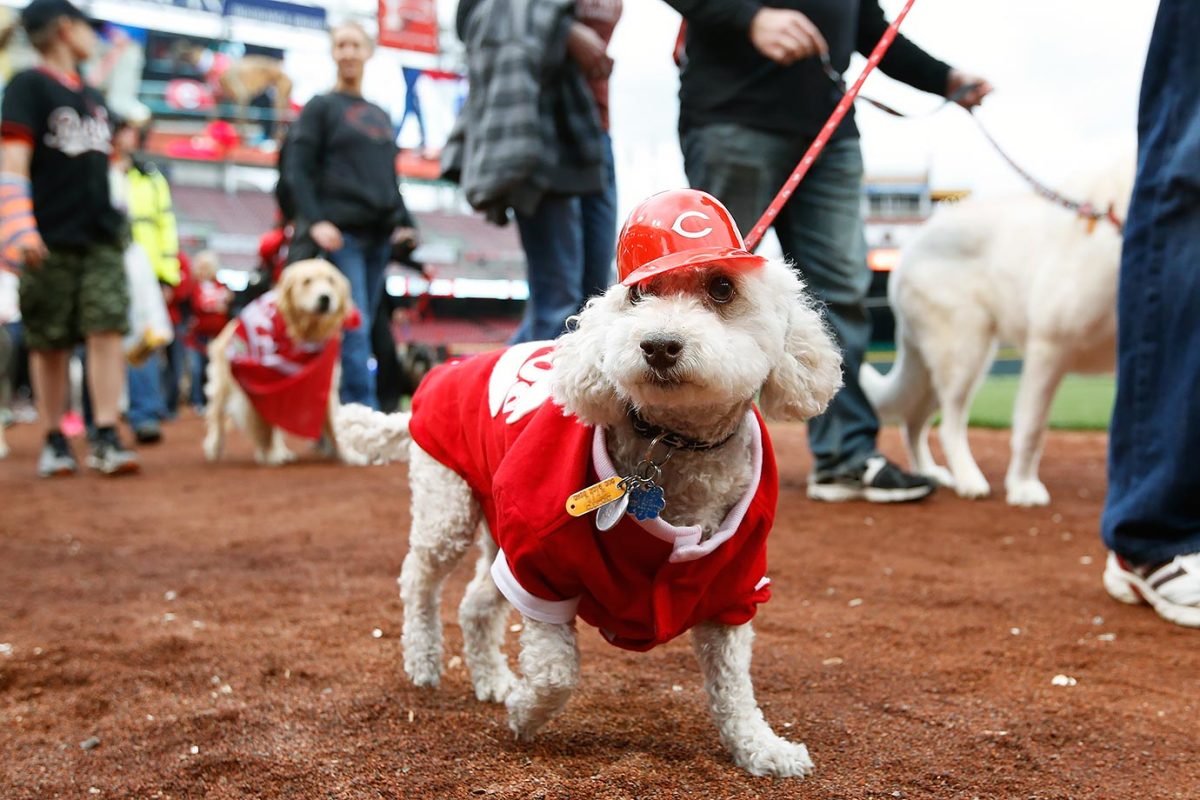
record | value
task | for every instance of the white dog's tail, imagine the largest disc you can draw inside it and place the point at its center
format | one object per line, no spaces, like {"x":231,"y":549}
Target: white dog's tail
{"x":906,"y":384}
{"x":371,"y":437}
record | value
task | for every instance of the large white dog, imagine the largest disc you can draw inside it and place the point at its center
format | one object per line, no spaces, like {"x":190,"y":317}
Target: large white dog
{"x":1019,"y":271}
{"x":656,"y":379}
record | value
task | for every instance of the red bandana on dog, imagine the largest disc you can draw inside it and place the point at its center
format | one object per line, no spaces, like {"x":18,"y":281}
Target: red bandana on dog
{"x":287,"y":382}
{"x":491,"y":420}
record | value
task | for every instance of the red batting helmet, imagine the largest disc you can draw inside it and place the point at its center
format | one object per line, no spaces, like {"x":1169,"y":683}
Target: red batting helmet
{"x":677,"y":229}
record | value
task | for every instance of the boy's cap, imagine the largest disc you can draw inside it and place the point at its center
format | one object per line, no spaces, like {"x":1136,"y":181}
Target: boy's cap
{"x":40,"y":13}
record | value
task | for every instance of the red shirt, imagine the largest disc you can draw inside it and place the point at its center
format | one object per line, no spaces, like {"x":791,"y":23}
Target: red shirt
{"x":491,"y":420}
{"x":287,"y":382}
{"x":210,"y":308}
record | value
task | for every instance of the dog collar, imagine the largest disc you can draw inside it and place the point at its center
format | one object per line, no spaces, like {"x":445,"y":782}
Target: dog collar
{"x":676,"y":441}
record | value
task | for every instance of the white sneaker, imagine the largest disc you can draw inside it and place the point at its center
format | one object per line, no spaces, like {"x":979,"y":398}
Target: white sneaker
{"x":1173,"y":588}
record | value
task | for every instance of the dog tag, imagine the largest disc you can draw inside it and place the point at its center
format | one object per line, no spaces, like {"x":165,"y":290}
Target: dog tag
{"x":647,"y":502}
{"x":611,"y":513}
{"x":600,"y":494}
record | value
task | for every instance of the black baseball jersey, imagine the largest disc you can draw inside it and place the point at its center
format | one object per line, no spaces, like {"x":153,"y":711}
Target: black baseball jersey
{"x":67,"y":125}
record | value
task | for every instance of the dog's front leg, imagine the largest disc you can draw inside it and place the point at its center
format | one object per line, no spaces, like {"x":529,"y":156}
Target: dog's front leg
{"x":724,"y":655}
{"x":550,"y":672}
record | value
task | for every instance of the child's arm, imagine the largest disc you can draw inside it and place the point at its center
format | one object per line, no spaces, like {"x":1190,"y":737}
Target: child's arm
{"x":20,"y":242}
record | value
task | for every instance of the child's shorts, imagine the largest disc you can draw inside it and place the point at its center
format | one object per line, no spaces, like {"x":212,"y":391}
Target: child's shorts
{"x":75,"y":292}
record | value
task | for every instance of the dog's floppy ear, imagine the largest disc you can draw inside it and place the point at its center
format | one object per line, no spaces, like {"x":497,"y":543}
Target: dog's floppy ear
{"x":579,"y":384}
{"x":809,"y":373}
{"x":283,"y":294}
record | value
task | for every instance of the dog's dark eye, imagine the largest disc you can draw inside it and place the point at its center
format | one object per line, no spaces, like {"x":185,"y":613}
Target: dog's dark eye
{"x":635,"y":293}
{"x":720,"y":289}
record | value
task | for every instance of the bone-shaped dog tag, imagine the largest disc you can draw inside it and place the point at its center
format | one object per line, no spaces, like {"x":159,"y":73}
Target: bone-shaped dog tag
{"x":599,"y":494}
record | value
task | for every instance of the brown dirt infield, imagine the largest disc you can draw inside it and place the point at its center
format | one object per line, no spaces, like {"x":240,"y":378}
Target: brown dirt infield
{"x":212,"y":627}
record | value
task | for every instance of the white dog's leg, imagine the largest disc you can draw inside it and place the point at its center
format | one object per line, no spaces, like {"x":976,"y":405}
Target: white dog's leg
{"x":916,"y":427}
{"x":218,"y":390}
{"x":957,"y":373}
{"x":549,"y":674}
{"x":278,"y":453}
{"x":1040,"y":375}
{"x":482,"y":616}
{"x":724,"y":654}
{"x":4,"y":451}
{"x":444,"y":518}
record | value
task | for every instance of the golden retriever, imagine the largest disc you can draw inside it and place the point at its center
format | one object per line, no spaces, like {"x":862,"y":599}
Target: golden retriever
{"x":312,"y":300}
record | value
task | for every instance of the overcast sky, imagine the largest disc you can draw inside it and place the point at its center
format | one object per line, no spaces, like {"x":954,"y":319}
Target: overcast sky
{"x":1066,"y":74}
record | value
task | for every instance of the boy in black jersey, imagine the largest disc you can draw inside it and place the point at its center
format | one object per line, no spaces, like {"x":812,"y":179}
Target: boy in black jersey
{"x":59,"y":228}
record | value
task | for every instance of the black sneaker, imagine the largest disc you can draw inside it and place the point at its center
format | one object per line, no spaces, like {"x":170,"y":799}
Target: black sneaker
{"x":148,"y":432}
{"x":109,"y":456}
{"x":879,"y":481}
{"x":56,"y":460}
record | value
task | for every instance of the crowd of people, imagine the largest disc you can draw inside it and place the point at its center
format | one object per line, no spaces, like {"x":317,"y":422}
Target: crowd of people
{"x":532,"y":145}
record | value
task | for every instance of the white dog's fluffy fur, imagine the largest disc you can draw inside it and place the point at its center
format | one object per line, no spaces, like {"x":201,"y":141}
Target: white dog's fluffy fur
{"x":313,"y":299}
{"x":768,"y":340}
{"x":1019,"y":271}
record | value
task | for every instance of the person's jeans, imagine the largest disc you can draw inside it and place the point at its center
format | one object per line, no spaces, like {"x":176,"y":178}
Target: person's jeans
{"x":1152,"y":512}
{"x":821,"y":232}
{"x":173,"y":365}
{"x":144,"y":384}
{"x":198,"y":364}
{"x":362,"y":260}
{"x":569,"y":243}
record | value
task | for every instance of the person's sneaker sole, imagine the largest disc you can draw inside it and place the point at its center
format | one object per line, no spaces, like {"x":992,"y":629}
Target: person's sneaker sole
{"x":58,"y":472}
{"x":832,"y":493}
{"x":126,"y":468}
{"x":1130,"y":588}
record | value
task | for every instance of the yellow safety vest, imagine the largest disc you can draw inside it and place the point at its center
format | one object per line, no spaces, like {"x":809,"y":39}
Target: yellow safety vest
{"x":152,"y":222}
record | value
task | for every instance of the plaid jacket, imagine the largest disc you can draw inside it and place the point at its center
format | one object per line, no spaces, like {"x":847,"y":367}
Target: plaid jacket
{"x":530,"y":124}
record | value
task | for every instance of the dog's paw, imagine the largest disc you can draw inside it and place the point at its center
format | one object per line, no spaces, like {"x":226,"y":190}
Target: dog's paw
{"x":277,"y":456}
{"x":972,"y":487}
{"x":523,"y":720}
{"x":495,"y":686}
{"x":940,"y":475}
{"x":1028,"y":493}
{"x":425,"y":669}
{"x":212,"y":447}
{"x":769,"y":755}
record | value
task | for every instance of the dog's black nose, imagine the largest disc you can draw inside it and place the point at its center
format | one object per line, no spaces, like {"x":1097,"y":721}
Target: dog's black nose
{"x":661,"y":352}
{"x":323,"y":303}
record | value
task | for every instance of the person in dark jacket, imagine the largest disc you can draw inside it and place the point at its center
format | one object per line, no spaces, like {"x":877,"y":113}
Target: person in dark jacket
{"x":530,"y":139}
{"x":753,"y":96}
{"x":341,"y":169}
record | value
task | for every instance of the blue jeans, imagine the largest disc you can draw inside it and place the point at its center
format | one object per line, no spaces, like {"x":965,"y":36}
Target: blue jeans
{"x":144,"y":384}
{"x":821,"y":232}
{"x":362,"y":260}
{"x":569,"y":244}
{"x":198,"y":366}
{"x":173,"y":366}
{"x":1152,"y":512}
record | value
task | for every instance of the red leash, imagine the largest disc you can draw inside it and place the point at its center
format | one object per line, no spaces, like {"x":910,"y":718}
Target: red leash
{"x":835,"y":119}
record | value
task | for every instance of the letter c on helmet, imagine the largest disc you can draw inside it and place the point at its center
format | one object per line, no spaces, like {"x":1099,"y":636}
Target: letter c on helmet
{"x":697,"y":234}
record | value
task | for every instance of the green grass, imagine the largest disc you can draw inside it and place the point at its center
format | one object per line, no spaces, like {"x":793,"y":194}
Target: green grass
{"x":1083,"y":402}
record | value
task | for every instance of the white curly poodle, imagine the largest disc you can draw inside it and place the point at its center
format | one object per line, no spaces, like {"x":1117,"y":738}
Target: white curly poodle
{"x":675,"y":354}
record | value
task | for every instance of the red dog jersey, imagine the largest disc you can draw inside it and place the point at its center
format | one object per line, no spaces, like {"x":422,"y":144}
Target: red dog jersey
{"x":287,"y":382}
{"x":491,"y":420}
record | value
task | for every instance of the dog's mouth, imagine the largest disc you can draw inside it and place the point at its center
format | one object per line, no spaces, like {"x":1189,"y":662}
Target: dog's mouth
{"x":665,"y":379}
